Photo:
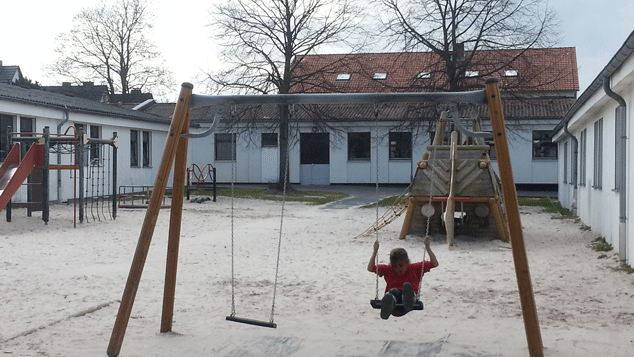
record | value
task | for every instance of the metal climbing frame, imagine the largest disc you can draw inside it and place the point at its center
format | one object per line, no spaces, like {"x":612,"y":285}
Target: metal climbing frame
{"x":175,"y":153}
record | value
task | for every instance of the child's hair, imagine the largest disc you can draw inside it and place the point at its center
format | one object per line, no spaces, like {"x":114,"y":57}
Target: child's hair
{"x":398,"y":255}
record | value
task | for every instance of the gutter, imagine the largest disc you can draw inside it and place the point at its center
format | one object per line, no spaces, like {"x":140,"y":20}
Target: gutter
{"x":620,"y":116}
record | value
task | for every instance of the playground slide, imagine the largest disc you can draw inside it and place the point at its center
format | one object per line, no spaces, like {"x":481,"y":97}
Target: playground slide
{"x":13,"y":172}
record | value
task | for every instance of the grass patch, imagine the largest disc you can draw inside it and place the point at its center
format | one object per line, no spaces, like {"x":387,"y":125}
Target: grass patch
{"x":600,"y":245}
{"x":309,"y":197}
{"x":626,"y":268}
{"x":386,"y":202}
{"x":549,"y":205}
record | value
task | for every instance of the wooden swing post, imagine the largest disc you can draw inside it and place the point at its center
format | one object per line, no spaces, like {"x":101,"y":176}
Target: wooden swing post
{"x":176,"y":214}
{"x":149,"y":223}
{"x":527,"y":299}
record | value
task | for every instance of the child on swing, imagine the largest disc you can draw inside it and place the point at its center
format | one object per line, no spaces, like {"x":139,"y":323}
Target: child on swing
{"x":402,"y":278}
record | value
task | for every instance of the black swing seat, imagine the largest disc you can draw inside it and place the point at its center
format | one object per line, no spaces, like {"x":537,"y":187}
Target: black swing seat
{"x":376,"y":303}
{"x":252,"y":322}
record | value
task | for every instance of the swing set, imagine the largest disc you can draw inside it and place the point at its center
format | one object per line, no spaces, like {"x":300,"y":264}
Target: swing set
{"x":175,"y":153}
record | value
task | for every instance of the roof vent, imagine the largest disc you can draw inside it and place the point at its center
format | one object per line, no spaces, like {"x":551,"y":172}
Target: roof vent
{"x":343,"y":77}
{"x":510,"y":73}
{"x":380,"y":76}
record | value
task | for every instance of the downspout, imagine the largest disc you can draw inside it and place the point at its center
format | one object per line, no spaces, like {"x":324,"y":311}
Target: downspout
{"x":59,"y":155}
{"x":621,"y":164}
{"x":575,"y":155}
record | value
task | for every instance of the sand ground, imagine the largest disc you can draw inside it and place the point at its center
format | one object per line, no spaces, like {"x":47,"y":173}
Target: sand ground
{"x":61,"y":287}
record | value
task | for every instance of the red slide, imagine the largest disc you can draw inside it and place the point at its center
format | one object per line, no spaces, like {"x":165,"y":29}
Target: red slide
{"x":13,"y":172}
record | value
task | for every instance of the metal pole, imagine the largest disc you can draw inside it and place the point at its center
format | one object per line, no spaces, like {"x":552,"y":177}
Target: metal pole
{"x":115,"y":152}
{"x":527,"y":299}
{"x":80,"y":162}
{"x":45,"y":176}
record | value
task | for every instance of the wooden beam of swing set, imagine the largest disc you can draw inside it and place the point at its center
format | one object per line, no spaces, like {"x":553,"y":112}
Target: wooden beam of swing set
{"x":174,"y":143}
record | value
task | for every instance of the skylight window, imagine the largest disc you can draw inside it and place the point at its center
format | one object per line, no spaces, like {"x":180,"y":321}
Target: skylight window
{"x":380,"y":76}
{"x":423,"y":75}
{"x":510,"y":73}
{"x":343,"y":77}
{"x":471,"y":73}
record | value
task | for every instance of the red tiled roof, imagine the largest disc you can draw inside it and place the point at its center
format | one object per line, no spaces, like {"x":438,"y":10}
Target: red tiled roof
{"x":550,"y":69}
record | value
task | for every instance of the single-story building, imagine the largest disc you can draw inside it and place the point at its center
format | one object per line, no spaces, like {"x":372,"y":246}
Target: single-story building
{"x":141,"y":136}
{"x":594,"y":174}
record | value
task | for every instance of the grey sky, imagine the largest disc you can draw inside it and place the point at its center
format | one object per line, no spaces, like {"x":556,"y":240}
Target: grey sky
{"x":596,"y":28}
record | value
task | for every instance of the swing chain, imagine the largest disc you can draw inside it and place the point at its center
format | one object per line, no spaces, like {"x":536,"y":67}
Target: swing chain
{"x":233,"y":285}
{"x":376,"y":230}
{"x":291,"y":111}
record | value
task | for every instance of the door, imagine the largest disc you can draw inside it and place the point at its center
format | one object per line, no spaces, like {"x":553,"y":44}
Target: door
{"x":314,"y":158}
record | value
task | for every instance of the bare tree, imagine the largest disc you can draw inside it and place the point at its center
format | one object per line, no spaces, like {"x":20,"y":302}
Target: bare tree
{"x":261,"y":41}
{"x":109,"y":42}
{"x":460,"y":33}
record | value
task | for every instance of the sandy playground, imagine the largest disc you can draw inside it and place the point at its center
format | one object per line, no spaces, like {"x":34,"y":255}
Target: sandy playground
{"x":61,"y":287}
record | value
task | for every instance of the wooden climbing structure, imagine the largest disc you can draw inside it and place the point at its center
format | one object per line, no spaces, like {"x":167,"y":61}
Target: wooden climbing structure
{"x":456,"y":178}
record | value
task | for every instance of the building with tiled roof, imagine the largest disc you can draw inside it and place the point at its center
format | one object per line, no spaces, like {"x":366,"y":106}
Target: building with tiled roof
{"x":10,"y":74}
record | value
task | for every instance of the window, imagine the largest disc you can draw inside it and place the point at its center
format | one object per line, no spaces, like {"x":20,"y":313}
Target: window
{"x":95,"y":133}
{"x":543,"y":147}
{"x":510,"y":73}
{"x":359,"y":146}
{"x":400,"y":145}
{"x":598,"y":154}
{"x":471,"y":73}
{"x":583,"y":157}
{"x":269,"y":140}
{"x":493,"y":155}
{"x":140,"y":142}
{"x":6,"y":121}
{"x":343,"y":77}
{"x":565,"y":158}
{"x":225,"y":146}
{"x":423,"y":75}
{"x":147,"y":149}
{"x":134,"y":148}
{"x":380,"y":76}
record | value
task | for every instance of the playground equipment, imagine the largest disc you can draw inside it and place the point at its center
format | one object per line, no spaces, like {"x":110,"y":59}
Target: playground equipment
{"x":175,"y":153}
{"x":92,"y":183}
{"x":455,"y":186}
{"x":201,"y":179}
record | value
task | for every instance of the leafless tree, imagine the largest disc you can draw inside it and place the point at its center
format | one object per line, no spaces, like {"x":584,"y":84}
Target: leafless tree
{"x":261,"y":40}
{"x":109,"y":42}
{"x":460,"y":32}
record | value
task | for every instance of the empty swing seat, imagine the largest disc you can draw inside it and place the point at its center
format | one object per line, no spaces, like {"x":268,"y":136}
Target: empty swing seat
{"x":252,"y":322}
{"x":376,"y":303}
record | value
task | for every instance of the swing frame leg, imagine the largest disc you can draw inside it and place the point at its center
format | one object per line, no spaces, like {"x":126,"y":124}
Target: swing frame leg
{"x":252,"y":322}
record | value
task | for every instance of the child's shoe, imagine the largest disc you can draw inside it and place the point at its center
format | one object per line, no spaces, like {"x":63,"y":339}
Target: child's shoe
{"x":387,"y":305}
{"x":409,"y":297}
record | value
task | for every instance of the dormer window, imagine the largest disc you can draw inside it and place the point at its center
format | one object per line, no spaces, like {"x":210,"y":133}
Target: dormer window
{"x":343,"y":77}
{"x":471,"y":73}
{"x":380,"y":76}
{"x":510,"y":73}
{"x":423,"y":75}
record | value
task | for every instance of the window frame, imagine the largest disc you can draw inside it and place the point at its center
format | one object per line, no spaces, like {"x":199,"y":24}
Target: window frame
{"x":583,"y":157}
{"x":598,"y":155}
{"x":267,"y":142}
{"x":359,"y":142}
{"x":541,"y":142}
{"x":225,"y":139}
{"x":134,"y":147}
{"x":400,"y":141}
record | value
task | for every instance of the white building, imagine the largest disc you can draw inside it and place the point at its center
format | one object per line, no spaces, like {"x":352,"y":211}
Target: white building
{"x":593,"y":139}
{"x":141,"y":135}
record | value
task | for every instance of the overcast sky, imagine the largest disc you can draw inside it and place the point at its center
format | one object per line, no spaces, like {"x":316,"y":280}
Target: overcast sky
{"x":597,"y":28}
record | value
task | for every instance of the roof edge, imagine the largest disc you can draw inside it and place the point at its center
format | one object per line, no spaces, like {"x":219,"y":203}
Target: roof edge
{"x":613,"y":65}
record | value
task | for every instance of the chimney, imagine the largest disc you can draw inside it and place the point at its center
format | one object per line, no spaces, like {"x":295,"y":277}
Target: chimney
{"x":88,"y":84}
{"x":65,"y":84}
